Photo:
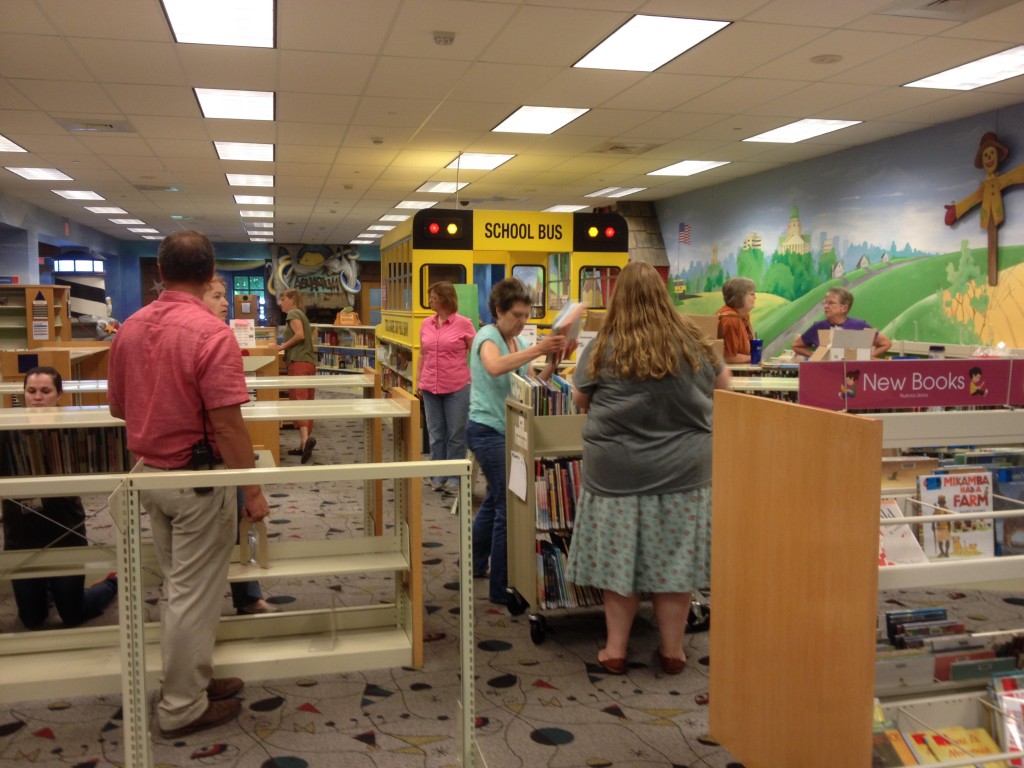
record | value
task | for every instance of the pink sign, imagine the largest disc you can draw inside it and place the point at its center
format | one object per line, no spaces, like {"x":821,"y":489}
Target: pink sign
{"x":870,"y":385}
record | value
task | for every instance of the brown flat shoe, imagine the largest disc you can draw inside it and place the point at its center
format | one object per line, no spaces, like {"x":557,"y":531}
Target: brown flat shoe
{"x":216,"y":713}
{"x":613,"y":666}
{"x":223,"y":687}
{"x":671,"y":666}
{"x":307,"y":449}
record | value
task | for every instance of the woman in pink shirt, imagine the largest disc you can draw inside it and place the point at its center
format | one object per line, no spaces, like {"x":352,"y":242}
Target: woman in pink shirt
{"x":442,"y":378}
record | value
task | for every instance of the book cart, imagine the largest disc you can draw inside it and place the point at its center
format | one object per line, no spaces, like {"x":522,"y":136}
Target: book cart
{"x":126,"y":658}
{"x":796,"y":580}
{"x":534,"y":438}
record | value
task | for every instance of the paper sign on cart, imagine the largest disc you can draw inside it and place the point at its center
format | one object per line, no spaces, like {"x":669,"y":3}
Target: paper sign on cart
{"x":517,"y":475}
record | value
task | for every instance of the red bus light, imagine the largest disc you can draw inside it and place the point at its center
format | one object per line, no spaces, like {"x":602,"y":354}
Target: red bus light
{"x":609,"y":232}
{"x":433,"y":227}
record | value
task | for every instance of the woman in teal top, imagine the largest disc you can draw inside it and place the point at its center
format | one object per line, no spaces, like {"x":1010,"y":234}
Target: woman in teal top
{"x":498,"y":350}
{"x":300,"y":358}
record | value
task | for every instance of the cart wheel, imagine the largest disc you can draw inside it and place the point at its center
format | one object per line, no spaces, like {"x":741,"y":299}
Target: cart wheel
{"x":699,"y":618}
{"x":515,"y":602}
{"x":538,"y":629}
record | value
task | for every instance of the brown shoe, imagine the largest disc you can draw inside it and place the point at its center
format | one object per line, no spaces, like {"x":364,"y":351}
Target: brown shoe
{"x":217,"y":712}
{"x":223,"y":688}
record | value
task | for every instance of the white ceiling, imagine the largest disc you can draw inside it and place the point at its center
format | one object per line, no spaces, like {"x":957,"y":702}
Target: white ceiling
{"x":369,"y":107}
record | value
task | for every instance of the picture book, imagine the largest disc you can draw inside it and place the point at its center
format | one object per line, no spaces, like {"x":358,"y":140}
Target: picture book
{"x":884,"y":750}
{"x":956,"y":493}
{"x":1007,"y":693}
{"x":1008,"y":494}
{"x":955,"y":743}
{"x":568,"y":323}
{"x":899,"y":744}
{"x":897,"y":544}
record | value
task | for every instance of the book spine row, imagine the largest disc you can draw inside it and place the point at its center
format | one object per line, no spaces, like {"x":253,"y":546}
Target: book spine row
{"x":345,"y":362}
{"x":553,"y":590}
{"x":63,"y":451}
{"x":557,"y":484}
{"x":544,"y":398}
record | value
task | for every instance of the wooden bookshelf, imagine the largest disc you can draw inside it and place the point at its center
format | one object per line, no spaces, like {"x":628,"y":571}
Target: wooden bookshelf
{"x":344,"y":349}
{"x":795,"y":574}
{"x":30,"y":314}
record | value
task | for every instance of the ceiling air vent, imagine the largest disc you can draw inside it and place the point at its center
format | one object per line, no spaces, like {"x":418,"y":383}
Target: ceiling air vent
{"x":944,"y":10}
{"x":157,"y":188}
{"x":83,"y":125}
{"x":624,"y":148}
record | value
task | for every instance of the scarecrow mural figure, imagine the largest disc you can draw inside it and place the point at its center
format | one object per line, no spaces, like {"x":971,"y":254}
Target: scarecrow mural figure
{"x":991,"y":152}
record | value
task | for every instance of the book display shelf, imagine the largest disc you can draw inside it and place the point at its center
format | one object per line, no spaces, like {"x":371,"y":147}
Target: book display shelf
{"x":33,"y":313}
{"x":344,"y":348}
{"x":126,"y":658}
{"x":395,"y":361}
{"x":539,"y":530}
{"x":795,"y":576}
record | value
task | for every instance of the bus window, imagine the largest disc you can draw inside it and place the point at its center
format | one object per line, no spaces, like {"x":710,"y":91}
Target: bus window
{"x":435,"y":273}
{"x":532,"y":277}
{"x":561,"y":280}
{"x":398,"y":276}
{"x":596,"y":284}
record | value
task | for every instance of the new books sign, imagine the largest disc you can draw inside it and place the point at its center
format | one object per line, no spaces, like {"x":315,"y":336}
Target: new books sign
{"x":876,"y":384}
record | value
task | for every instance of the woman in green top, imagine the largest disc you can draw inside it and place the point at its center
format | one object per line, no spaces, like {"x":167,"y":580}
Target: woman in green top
{"x":301,"y":361}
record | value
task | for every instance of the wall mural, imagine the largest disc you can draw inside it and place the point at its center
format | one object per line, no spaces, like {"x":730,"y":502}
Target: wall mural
{"x":877,"y":220}
{"x":327,"y":275}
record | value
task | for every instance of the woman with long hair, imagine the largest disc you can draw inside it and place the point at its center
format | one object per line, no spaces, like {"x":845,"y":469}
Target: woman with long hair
{"x":300,"y":358}
{"x":643,"y":518}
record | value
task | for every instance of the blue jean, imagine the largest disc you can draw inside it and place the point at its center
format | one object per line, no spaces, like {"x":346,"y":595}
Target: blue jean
{"x":446,"y":425}
{"x":490,"y":536}
{"x":74,"y":602}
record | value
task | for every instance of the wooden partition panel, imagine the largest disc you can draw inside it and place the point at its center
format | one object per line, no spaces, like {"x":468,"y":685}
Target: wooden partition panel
{"x":794,"y":576}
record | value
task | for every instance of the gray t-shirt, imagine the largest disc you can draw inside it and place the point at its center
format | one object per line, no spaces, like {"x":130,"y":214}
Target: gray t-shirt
{"x":647,"y":437}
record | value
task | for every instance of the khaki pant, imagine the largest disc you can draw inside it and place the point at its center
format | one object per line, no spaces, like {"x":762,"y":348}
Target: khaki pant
{"x":193,"y":535}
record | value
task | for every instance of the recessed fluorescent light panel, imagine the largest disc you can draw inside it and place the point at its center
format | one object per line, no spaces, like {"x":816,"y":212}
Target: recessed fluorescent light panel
{"x":802,"y":130}
{"x":645,"y":43}
{"x":975,"y":74}
{"x":6,"y":145}
{"x":112,"y":211}
{"x":260,"y":232}
{"x":127,"y":222}
{"x":416,"y":205}
{"x":267,"y":224}
{"x":394,"y":217}
{"x":361,"y":242}
{"x":372,"y":234}
{"x":261,"y":239}
{"x":254,"y":199}
{"x":237,"y":150}
{"x":564,"y":208}
{"x":478,"y":161}
{"x":442,"y":187}
{"x":236,"y":105}
{"x":616,"y":191}
{"x":152,"y":237}
{"x":688,"y":168}
{"x":380,"y":227}
{"x":144,"y":230}
{"x":248,"y":23}
{"x":256,"y":214}
{"x":538,"y":119}
{"x":70,"y":194}
{"x":249,"y":180}
{"x":41,"y":174}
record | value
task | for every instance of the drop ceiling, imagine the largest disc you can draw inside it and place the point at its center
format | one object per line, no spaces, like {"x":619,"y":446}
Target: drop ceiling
{"x":370,"y":106}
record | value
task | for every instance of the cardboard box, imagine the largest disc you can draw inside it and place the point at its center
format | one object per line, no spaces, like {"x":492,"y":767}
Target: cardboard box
{"x":708,"y":324}
{"x":843,"y":344}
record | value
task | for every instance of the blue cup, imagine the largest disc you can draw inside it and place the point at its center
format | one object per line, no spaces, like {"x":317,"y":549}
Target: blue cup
{"x":756,"y":345}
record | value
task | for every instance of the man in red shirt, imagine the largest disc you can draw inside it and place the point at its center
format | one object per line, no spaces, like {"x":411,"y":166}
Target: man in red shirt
{"x":176,"y":378}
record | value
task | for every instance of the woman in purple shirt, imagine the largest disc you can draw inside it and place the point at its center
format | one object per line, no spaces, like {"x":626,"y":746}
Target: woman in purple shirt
{"x":442,"y":378}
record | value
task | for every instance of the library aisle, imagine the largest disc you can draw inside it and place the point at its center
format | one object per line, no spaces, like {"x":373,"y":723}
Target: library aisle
{"x":545,"y":704}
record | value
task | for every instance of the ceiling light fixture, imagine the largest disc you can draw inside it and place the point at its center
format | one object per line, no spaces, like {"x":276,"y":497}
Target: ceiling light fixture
{"x":616,"y":191}
{"x":256,"y":214}
{"x":236,"y":105}
{"x":110,"y":210}
{"x":975,"y":74}
{"x":477,"y":161}
{"x":544,"y":120}
{"x":127,"y":222}
{"x":564,"y":208}
{"x":6,"y":145}
{"x":442,"y":187}
{"x":688,"y":168}
{"x":249,"y":180}
{"x":247,"y":23}
{"x":69,"y":194}
{"x":237,"y":150}
{"x":254,"y":199}
{"x":40,"y":174}
{"x":802,"y":130}
{"x":395,"y":217}
{"x":416,"y":205}
{"x":645,"y":43}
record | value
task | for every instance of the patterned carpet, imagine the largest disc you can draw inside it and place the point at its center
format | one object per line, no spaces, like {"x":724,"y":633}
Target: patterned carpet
{"x":544,"y":704}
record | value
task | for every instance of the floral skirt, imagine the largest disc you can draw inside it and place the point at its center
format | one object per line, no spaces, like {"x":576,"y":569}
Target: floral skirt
{"x":632,"y":544}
